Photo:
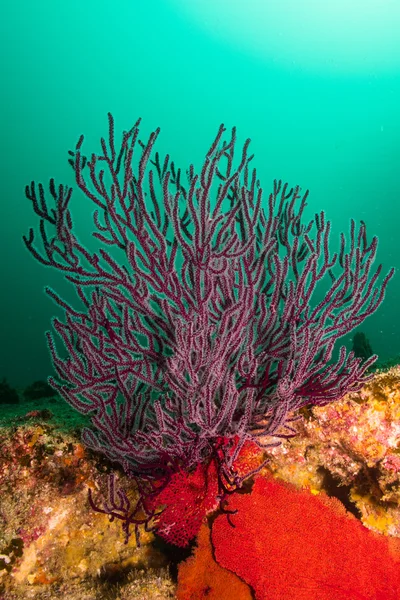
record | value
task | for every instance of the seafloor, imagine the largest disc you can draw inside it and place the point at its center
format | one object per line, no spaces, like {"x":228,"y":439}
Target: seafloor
{"x":52,"y":545}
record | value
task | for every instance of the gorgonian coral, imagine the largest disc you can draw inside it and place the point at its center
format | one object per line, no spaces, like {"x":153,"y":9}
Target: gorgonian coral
{"x":198,"y":328}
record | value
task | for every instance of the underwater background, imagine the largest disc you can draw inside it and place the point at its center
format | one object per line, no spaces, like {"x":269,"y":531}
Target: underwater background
{"x":316,"y":86}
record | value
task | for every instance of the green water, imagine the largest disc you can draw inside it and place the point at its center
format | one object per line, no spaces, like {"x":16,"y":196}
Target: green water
{"x":318,"y":93}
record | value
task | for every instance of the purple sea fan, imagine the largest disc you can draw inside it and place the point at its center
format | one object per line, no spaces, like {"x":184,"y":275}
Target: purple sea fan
{"x":199,"y":322}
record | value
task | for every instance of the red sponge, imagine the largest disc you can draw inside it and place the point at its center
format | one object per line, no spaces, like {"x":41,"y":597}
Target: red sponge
{"x":187,"y":498}
{"x":288,"y":543}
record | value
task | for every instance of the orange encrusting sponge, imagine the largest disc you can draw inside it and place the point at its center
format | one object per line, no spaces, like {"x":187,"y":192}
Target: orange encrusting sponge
{"x":200,"y":577}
